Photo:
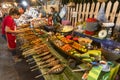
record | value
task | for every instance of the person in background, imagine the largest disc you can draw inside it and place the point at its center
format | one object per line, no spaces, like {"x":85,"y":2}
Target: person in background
{"x":50,"y":20}
{"x":49,"y":26}
{"x":2,"y":24}
{"x":1,"y":15}
{"x":9,"y":29}
{"x":5,"y":14}
{"x":53,"y":20}
{"x":42,"y":12}
{"x":55,"y":16}
{"x":21,"y":10}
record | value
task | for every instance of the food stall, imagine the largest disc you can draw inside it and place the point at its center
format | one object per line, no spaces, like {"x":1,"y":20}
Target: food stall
{"x":61,"y":57}
{"x":69,"y":52}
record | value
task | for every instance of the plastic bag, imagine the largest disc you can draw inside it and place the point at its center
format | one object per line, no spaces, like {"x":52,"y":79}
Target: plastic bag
{"x":101,"y":15}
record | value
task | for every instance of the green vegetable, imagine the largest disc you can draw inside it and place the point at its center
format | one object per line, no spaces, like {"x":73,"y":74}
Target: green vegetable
{"x":87,"y":60}
{"x":92,"y":58}
{"x":77,"y":55}
{"x":94,"y":52}
{"x":113,"y":72}
{"x":85,"y":56}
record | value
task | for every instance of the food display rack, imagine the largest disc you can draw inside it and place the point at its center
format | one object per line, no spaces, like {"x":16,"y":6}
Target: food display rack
{"x":108,"y":46}
{"x":68,"y":73}
{"x":106,"y":41}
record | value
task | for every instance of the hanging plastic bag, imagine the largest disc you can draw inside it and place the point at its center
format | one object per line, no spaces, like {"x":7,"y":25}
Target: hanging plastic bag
{"x":101,"y":14}
{"x":63,"y":12}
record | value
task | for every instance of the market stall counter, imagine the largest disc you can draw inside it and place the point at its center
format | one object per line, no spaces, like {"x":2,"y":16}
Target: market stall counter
{"x":68,"y":73}
{"x":43,"y":56}
{"x":34,"y":46}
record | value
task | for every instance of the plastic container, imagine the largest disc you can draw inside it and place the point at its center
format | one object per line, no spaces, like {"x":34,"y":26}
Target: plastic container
{"x":66,"y":22}
{"x":109,"y":50}
{"x":91,"y":24}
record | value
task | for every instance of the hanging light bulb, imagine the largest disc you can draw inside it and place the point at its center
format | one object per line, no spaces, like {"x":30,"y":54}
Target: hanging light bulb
{"x":71,"y":4}
{"x":24,"y":3}
{"x":15,"y":4}
{"x":33,"y":0}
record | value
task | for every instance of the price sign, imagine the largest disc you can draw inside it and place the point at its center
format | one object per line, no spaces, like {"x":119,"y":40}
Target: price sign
{"x":74,"y":14}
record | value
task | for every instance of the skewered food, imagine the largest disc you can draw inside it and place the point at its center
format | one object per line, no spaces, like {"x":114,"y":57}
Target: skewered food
{"x":24,"y":29}
{"x":37,"y":49}
{"x":37,"y":30}
{"x":54,"y":70}
{"x":42,"y":50}
{"x":36,"y":41}
{"x":50,"y":59}
{"x":46,"y":57}
{"x":24,"y":25}
{"x":52,"y":63}
{"x":28,"y":52}
{"x":42,"y":54}
{"x":45,"y":62}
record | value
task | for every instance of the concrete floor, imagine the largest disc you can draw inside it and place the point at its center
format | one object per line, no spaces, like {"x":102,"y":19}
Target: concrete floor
{"x":13,"y":71}
{"x":7,"y":69}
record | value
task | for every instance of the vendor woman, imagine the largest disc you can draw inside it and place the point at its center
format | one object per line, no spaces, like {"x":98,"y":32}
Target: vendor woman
{"x":55,"y":16}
